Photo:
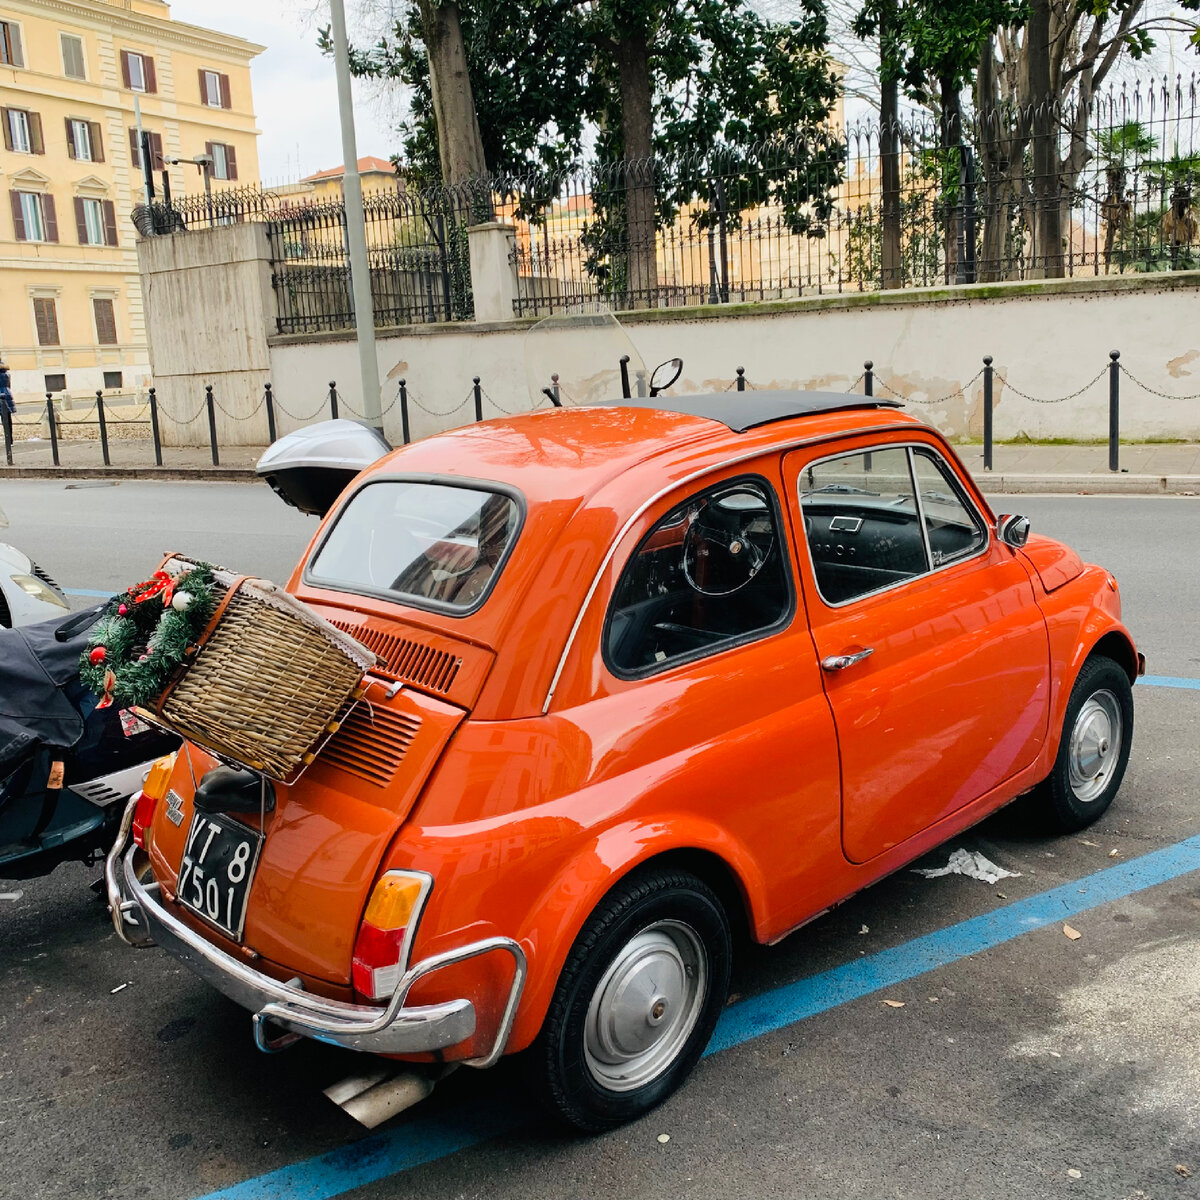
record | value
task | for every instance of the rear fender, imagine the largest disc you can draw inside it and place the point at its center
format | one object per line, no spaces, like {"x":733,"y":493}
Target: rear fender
{"x":562,"y":909}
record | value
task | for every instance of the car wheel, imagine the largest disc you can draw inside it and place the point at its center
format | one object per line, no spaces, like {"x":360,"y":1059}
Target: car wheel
{"x":637,"y":1000}
{"x":1094,"y":751}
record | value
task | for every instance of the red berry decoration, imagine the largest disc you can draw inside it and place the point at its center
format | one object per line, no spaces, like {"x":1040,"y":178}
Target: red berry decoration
{"x":97,"y":656}
{"x":123,"y":610}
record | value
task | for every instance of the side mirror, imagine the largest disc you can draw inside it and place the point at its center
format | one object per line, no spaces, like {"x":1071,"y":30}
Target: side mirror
{"x":658,"y":379}
{"x":1013,"y":530}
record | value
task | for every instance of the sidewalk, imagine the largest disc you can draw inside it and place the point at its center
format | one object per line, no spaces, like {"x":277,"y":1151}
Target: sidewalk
{"x":1170,"y":469}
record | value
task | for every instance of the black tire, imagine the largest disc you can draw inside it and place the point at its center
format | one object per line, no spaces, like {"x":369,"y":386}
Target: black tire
{"x":1067,"y":799}
{"x":629,"y":940}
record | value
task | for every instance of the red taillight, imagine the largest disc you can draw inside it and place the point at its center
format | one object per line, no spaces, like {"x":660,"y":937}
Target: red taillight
{"x":376,"y":967}
{"x":143,"y":814}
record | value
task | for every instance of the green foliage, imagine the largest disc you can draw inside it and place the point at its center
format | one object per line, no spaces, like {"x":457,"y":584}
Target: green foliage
{"x":147,"y":627}
{"x":1124,"y":144}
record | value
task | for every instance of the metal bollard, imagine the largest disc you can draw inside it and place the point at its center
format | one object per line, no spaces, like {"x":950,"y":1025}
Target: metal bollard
{"x":212,"y":423}
{"x":868,"y":390}
{"x":155,"y":432}
{"x":1114,"y":410}
{"x":404,"y":430}
{"x":333,"y":409}
{"x":625,"y":392}
{"x":269,"y":401}
{"x":6,"y":422}
{"x":987,"y":412}
{"x":53,"y":430}
{"x":478,"y":400}
{"x":741,"y":379}
{"x":103,"y":428}
{"x":556,"y":395}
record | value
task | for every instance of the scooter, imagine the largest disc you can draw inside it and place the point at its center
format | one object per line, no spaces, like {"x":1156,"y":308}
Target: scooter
{"x":67,"y":768}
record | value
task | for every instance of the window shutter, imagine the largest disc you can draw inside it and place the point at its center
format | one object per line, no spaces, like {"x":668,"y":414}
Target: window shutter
{"x":81,"y":221}
{"x":226,"y":97}
{"x":97,"y":142}
{"x":208,"y":149}
{"x":18,"y":216}
{"x":14,"y":42}
{"x":135,"y":151}
{"x":231,"y":160}
{"x":71,"y":151}
{"x":203,"y":85}
{"x":151,"y":78}
{"x":8,"y":145}
{"x":37,"y":143}
{"x":51,"y":220}
{"x":47,"y":321}
{"x":110,"y":223}
{"x":157,"y":163}
{"x":106,"y":323}
{"x":125,"y":70}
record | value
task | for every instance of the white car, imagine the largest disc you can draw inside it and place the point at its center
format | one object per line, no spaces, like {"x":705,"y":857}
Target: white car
{"x":27,"y":593}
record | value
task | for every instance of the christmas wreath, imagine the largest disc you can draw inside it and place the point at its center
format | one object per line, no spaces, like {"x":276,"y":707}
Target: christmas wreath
{"x":144,"y":634}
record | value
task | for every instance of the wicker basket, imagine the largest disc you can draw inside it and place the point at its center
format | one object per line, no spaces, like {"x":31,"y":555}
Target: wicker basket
{"x":269,"y":682}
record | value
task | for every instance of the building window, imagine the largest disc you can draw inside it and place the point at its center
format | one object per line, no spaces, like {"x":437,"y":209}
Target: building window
{"x":46,"y":319}
{"x":56,"y":383}
{"x":23,"y":131}
{"x":72,"y":56}
{"x":137,"y":72}
{"x":84,"y":140}
{"x":214,"y":89}
{"x":113,"y":379}
{"x":93,"y":223}
{"x":224,"y":160}
{"x":33,"y":217}
{"x":106,"y":326}
{"x":11,"y":54}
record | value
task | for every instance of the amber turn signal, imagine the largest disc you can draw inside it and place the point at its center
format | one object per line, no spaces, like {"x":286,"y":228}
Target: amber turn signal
{"x":393,"y":900}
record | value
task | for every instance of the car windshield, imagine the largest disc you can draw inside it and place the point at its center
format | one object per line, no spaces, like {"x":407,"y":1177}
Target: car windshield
{"x":438,"y":545}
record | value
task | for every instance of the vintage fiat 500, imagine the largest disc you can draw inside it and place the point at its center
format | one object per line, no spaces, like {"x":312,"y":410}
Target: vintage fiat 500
{"x":652,"y":675}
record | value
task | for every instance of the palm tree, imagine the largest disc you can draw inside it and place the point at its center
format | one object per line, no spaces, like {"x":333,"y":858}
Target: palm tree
{"x":1118,"y":148}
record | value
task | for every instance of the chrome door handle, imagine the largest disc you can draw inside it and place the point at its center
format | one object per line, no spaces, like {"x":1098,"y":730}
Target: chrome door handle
{"x":839,"y":662}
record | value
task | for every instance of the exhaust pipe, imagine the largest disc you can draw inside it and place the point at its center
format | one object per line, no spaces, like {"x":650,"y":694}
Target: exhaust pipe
{"x":375,"y":1096}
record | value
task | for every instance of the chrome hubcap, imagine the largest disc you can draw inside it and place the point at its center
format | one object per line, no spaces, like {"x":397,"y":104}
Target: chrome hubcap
{"x":1095,"y":746}
{"x":645,"y":1006}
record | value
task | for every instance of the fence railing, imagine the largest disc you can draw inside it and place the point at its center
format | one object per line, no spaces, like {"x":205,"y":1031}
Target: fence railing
{"x":332,"y":405}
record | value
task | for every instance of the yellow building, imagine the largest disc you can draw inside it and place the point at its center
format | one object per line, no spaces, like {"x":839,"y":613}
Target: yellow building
{"x":73,"y":75}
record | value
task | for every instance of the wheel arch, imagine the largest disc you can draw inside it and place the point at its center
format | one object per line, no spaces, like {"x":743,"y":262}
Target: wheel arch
{"x":716,"y":859}
{"x":1115,"y":644}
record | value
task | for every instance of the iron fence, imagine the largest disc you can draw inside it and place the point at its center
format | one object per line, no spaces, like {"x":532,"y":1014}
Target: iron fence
{"x":921,"y":203}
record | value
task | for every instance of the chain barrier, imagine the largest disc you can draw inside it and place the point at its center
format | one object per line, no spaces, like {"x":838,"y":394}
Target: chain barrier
{"x":1154,"y":391}
{"x":857,"y":382}
{"x":508,"y":412}
{"x":163,"y":411}
{"x":1016,"y":391}
{"x":239,"y":416}
{"x":958,"y":391}
{"x":449,"y":412}
{"x":311,"y":416}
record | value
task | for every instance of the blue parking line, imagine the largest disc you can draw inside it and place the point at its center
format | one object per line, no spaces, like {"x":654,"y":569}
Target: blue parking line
{"x":86,"y":592}
{"x":1171,"y":681}
{"x":425,"y":1140}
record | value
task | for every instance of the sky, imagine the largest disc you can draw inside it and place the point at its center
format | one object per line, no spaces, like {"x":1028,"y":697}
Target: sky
{"x":295,"y":94}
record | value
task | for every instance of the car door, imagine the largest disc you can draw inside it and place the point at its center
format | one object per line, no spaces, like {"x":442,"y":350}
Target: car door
{"x":934,"y":653}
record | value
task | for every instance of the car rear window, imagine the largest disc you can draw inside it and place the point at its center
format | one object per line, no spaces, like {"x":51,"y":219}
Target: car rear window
{"x":433,"y":544}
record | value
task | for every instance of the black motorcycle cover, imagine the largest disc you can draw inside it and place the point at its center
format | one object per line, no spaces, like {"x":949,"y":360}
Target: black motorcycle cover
{"x":40,"y":692}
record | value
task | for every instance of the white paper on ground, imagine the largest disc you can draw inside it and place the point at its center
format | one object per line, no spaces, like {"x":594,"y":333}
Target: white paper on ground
{"x":971,"y":863}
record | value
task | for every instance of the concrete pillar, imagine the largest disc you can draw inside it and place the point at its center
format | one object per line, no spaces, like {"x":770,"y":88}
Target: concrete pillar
{"x":493,"y":273}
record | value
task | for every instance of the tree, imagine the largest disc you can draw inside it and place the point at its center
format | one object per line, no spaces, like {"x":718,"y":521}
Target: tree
{"x":639,"y":79}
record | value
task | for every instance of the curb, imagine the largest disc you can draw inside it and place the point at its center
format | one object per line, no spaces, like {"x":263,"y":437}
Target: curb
{"x":177,"y":474}
{"x":1117,"y":484}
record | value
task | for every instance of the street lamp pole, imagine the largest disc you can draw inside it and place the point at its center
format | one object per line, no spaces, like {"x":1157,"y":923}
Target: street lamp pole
{"x":356,"y":233}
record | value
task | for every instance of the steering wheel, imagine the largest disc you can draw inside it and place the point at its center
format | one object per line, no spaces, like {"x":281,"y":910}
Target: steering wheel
{"x":738,"y":559}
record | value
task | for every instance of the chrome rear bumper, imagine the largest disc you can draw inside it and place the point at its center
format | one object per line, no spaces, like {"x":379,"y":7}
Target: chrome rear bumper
{"x":395,"y":1029}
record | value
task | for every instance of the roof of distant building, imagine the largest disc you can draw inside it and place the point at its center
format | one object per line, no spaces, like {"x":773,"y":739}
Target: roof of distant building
{"x":366,"y":166}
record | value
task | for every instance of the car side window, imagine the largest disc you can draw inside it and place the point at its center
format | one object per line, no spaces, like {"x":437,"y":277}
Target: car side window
{"x":954,"y":528}
{"x":862,"y":523}
{"x":711,"y":573}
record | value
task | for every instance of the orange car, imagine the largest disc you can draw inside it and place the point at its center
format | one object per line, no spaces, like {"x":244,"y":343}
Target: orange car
{"x":657,"y":673}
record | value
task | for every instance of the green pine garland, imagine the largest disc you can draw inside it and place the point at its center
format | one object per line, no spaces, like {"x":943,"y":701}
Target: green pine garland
{"x":146,"y":643}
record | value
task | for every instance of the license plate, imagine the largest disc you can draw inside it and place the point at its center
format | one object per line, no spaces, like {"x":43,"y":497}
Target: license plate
{"x":215,"y":872}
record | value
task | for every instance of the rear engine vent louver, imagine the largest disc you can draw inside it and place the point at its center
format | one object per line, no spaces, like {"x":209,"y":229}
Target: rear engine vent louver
{"x":371,"y":743}
{"x":407,"y":659}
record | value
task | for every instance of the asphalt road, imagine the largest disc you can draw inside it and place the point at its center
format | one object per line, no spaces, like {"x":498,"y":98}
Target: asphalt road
{"x":1005,"y":1071}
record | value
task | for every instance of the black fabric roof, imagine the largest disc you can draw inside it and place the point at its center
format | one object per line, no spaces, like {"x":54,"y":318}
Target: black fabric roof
{"x":746,"y":410}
